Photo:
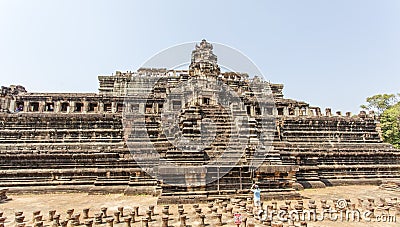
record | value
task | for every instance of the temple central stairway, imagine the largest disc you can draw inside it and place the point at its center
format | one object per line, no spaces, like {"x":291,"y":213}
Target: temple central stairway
{"x":209,"y":156}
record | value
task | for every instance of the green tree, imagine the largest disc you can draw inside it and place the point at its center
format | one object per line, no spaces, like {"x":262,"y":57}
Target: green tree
{"x":387,"y":107}
{"x":390,"y":125}
{"x":381,"y":102}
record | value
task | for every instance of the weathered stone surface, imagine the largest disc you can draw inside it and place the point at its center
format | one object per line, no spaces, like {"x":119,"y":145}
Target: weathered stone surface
{"x":76,"y":141}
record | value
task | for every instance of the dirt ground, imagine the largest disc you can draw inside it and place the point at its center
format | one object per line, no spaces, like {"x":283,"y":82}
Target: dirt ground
{"x":61,"y":202}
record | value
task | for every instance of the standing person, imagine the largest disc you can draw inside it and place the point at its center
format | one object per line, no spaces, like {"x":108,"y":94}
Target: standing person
{"x":19,"y":109}
{"x":257,"y":195}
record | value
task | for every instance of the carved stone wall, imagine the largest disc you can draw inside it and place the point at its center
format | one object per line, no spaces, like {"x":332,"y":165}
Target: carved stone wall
{"x":77,"y":140}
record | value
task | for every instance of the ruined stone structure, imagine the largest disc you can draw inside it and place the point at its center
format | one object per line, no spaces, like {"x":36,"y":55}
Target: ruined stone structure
{"x":217,"y":212}
{"x":80,"y":141}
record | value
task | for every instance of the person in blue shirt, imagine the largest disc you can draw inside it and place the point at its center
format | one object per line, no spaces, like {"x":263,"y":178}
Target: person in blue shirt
{"x":257,"y":195}
{"x":19,"y":108}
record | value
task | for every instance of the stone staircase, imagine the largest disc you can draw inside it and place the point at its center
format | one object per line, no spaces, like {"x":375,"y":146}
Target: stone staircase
{"x":58,"y":150}
{"x":227,"y":169}
{"x":336,"y":151}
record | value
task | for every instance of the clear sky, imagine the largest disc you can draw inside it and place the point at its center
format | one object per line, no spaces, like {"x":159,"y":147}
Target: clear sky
{"x":328,"y":53}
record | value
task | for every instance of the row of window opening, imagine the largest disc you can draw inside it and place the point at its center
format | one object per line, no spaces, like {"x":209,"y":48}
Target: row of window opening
{"x":66,"y":107}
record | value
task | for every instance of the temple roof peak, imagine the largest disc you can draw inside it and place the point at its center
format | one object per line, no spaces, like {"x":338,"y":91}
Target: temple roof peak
{"x":204,"y":53}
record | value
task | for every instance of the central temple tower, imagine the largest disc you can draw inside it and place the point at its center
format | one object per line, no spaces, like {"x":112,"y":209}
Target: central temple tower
{"x":204,"y":61}
{"x":204,"y":130}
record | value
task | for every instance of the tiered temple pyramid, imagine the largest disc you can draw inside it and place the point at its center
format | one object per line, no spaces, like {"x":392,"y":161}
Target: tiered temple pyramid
{"x":88,"y":141}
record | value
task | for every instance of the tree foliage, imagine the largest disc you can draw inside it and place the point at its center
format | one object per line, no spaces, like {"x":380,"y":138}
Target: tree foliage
{"x":390,"y":125}
{"x":387,"y":107}
{"x":380,"y":102}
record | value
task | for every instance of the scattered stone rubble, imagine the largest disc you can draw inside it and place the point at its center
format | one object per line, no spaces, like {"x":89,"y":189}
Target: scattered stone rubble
{"x":3,"y":194}
{"x":391,"y":186}
{"x":216,"y":212}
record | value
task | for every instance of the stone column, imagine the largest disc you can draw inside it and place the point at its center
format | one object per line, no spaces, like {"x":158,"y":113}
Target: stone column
{"x":229,"y":210}
{"x":19,"y":219}
{"x":328,"y":112}
{"x":182,"y":219}
{"x":224,"y":206}
{"x":85,"y":213}
{"x":141,"y":108}
{"x":104,"y":211}
{"x":85,"y":106}
{"x":57,"y":106}
{"x":275,"y":111}
{"x":71,"y":107}
{"x":165,"y":210}
{"x":164,"y":221}
{"x":244,"y":221}
{"x":121,"y":211}
{"x":109,"y":222}
{"x":100,"y":107}
{"x":136,"y":209}
{"x":296,"y":111}
{"x":75,"y":219}
{"x":210,"y":206}
{"x":56,"y":220}
{"x":88,"y":223}
{"x":214,"y":210}
{"x":285,"y":111}
{"x":38,"y":218}
{"x":98,"y":218}
{"x":38,"y":224}
{"x":287,"y":203}
{"x":42,"y":105}
{"x":64,"y":223}
{"x":148,"y":213}
{"x":12,"y":105}
{"x":127,"y":221}
{"x":151,"y":208}
{"x":308,"y":111}
{"x":180,"y":211}
{"x":34,"y":214}
{"x":202,"y":223}
{"x":198,"y":211}
{"x":219,"y":219}
{"x":145,"y":222}
{"x":116,"y":217}
{"x":274,"y":205}
{"x":26,"y":106}
{"x":51,"y":214}
{"x":318,"y":111}
{"x":132,"y":216}
{"x":69,"y":213}
{"x":113,"y":107}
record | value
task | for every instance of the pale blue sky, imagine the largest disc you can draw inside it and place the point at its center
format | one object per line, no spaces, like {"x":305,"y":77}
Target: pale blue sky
{"x":328,"y":53}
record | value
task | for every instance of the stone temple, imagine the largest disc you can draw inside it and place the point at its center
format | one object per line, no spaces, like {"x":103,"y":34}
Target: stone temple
{"x":89,"y":142}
